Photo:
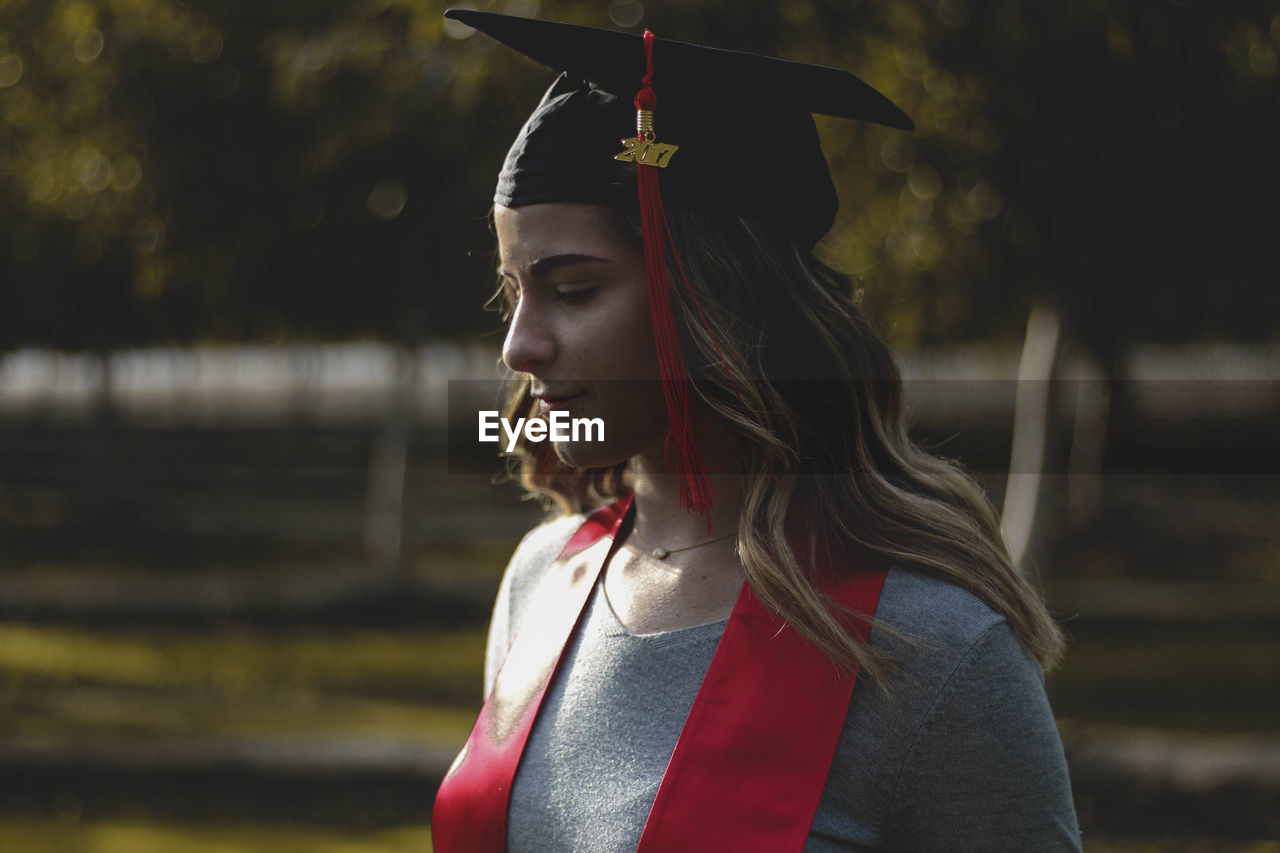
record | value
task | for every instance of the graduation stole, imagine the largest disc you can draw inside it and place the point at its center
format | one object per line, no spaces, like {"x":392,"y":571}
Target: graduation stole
{"x":752,"y":760}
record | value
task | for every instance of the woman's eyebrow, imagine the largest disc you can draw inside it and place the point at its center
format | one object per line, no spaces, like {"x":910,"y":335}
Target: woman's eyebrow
{"x":542,"y":266}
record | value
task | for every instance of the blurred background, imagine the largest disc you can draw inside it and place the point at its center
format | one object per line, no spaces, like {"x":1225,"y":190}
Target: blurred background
{"x":243,"y":254}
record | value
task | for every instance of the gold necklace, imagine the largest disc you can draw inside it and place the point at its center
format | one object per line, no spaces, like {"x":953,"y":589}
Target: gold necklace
{"x":660,"y":553}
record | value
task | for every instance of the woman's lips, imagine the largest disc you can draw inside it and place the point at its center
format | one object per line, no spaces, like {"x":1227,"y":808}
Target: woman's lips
{"x":557,"y":404}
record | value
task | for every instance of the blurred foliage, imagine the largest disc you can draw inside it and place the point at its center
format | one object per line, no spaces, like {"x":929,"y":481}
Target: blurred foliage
{"x":177,"y":170}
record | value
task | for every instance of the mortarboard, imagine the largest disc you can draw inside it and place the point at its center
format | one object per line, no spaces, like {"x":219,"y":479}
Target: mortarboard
{"x":718,"y":130}
{"x":743,"y":123}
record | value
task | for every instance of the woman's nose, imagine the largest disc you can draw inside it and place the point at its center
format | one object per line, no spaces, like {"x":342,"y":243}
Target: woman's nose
{"x":529,"y":344}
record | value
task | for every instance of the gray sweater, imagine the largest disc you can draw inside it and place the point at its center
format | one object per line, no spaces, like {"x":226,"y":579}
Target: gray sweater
{"x":962,"y":755}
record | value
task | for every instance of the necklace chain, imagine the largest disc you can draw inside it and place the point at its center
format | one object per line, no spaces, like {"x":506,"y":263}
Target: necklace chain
{"x":660,"y":553}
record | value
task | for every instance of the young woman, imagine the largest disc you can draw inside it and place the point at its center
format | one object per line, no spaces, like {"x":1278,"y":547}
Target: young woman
{"x":766,"y":619}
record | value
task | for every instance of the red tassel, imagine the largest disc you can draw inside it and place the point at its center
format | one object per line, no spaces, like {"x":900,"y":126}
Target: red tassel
{"x":696,"y":494}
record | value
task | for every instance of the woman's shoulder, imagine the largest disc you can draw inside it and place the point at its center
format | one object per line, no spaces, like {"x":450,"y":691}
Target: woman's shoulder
{"x":943,"y":637}
{"x":960,"y":750}
{"x":934,"y":610}
{"x":538,"y":550}
{"x":532,"y":559}
{"x":529,"y":564}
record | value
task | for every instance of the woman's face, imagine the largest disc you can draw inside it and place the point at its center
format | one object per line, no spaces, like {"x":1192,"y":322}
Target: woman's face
{"x":581,"y":327}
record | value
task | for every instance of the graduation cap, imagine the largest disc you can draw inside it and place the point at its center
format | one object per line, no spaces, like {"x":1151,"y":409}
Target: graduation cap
{"x":635,"y":120}
{"x":742,"y":123}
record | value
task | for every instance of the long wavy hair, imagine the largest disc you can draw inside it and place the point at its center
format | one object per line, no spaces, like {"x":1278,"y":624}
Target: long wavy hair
{"x":817,"y":411}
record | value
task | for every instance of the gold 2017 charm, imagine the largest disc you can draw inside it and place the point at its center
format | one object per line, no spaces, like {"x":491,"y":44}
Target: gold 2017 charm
{"x":646,"y":153}
{"x":643,"y":148}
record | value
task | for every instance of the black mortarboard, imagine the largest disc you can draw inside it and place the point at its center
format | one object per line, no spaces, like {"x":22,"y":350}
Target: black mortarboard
{"x":743,"y":123}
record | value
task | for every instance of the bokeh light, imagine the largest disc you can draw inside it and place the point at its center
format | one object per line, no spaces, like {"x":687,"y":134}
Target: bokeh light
{"x":223,"y":81}
{"x":386,"y":200}
{"x":10,"y":69}
{"x":88,"y":45}
{"x":626,"y":13}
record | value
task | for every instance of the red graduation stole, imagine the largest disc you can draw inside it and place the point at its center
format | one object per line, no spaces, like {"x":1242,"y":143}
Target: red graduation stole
{"x":752,"y":760}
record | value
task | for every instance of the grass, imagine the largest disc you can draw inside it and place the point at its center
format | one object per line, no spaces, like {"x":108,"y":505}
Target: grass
{"x":1181,"y":845}
{"x":67,"y":684}
{"x":234,"y":661}
{"x":31,"y":836}
{"x":127,"y":836}
{"x":97,"y":715}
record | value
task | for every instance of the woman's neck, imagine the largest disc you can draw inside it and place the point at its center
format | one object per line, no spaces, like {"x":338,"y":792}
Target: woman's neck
{"x":661,"y":520}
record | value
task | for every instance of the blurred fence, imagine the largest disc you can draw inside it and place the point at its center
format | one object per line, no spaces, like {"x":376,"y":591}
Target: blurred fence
{"x":354,"y":383}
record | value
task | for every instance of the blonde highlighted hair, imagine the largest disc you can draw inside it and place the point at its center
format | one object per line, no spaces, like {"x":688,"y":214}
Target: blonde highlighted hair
{"x":817,"y":410}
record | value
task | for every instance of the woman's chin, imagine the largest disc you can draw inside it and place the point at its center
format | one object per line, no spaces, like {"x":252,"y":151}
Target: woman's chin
{"x":581,"y":454}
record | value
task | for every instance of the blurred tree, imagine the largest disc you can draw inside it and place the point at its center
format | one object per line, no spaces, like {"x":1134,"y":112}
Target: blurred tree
{"x":174,"y":170}
{"x":233,"y":170}
{"x":1109,"y":157}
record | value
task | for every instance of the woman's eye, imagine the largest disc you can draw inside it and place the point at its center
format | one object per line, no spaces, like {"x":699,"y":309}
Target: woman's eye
{"x":575,"y":297}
